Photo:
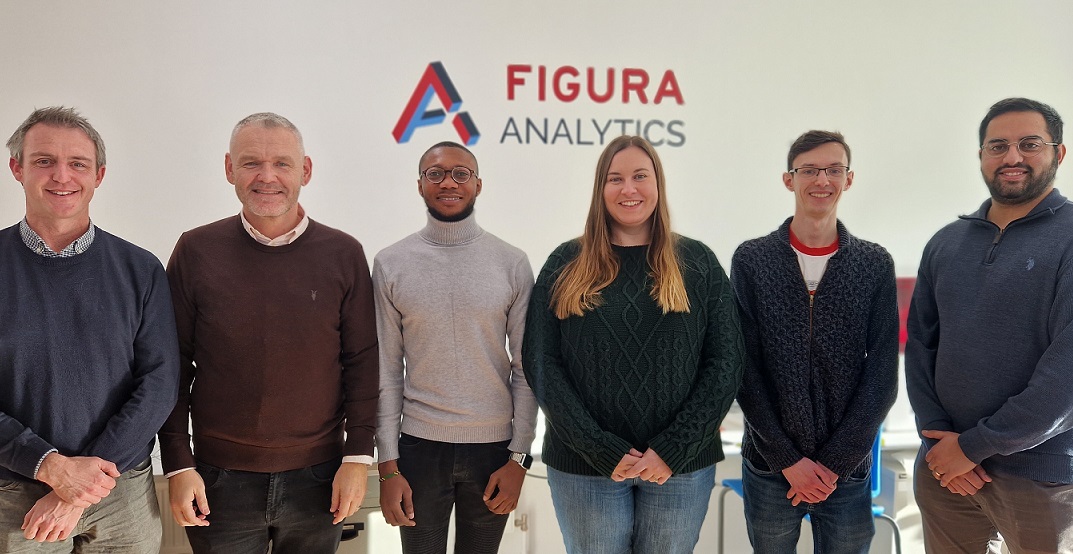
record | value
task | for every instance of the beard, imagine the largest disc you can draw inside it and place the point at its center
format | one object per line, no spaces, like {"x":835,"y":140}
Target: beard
{"x":452,"y":218}
{"x":1034,"y":186}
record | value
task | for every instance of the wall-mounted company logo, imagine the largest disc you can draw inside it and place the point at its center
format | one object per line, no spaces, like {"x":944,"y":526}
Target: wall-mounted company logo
{"x":435,"y":82}
{"x":597,"y":106}
{"x":568,"y":85}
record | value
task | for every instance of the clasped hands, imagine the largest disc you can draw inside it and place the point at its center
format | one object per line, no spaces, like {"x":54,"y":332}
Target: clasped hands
{"x":77,"y":482}
{"x":810,"y":481}
{"x":949,"y":465}
{"x":647,"y":466}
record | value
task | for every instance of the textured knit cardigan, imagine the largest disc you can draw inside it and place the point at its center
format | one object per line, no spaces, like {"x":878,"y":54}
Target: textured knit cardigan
{"x":820,"y":374}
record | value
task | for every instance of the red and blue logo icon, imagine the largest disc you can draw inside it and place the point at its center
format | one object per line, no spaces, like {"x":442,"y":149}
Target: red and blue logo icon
{"x":435,"y":82}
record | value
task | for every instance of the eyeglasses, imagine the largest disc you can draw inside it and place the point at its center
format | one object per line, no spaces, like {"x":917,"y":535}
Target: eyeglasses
{"x":1028,"y":147}
{"x":436,"y":175}
{"x":834,"y":173}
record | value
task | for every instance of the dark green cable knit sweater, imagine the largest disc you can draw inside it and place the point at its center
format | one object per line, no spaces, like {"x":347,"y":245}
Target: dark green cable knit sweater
{"x":627,"y":376}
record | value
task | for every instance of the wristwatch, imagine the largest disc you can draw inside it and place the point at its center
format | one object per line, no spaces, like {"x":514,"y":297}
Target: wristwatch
{"x":523,"y":459}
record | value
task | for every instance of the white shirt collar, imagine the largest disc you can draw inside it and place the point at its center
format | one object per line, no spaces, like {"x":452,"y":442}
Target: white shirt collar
{"x":285,"y":238}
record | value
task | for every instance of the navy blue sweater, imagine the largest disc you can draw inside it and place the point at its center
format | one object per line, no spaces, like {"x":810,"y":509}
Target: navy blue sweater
{"x":990,"y":350}
{"x":89,"y":360}
{"x":819,"y":376}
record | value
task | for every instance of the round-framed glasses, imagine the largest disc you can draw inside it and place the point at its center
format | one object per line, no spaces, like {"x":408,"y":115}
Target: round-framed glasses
{"x":1028,"y":147}
{"x":436,"y":175}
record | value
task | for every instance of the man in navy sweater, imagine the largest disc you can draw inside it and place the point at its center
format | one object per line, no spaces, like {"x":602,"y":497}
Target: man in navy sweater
{"x":987,"y":362}
{"x":89,"y":359}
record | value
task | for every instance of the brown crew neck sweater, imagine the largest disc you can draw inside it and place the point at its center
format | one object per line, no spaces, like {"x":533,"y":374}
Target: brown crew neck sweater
{"x":279,"y":350}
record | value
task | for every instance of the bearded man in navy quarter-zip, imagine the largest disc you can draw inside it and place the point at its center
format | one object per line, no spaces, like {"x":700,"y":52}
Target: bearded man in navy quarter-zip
{"x":989,"y":360}
{"x":819,"y":312}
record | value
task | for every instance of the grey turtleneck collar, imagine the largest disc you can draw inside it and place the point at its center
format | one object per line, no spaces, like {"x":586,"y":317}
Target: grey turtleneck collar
{"x":451,"y":233}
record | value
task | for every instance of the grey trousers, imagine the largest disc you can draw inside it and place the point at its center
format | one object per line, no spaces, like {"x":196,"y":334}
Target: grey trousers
{"x":127,"y":521}
{"x":1031,"y":517}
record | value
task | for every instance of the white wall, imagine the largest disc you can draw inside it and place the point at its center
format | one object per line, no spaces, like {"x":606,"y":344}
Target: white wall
{"x":907,"y":82}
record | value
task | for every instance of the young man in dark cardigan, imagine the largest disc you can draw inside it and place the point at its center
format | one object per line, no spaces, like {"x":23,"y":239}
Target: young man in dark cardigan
{"x":820,"y":319}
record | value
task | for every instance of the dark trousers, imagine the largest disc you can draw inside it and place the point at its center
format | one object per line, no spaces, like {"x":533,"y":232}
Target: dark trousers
{"x":290,"y":509}
{"x":445,"y":475}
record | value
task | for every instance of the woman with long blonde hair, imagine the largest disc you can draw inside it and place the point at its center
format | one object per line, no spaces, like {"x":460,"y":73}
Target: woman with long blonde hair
{"x":634,"y":351}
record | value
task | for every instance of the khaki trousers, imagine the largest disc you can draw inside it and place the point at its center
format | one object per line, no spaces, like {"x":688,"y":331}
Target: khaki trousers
{"x":1031,"y":517}
{"x":127,"y":521}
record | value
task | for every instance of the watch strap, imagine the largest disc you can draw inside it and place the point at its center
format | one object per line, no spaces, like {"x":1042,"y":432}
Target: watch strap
{"x":523,"y":459}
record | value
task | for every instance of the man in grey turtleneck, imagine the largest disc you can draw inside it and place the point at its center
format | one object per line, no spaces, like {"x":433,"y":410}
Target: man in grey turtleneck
{"x":456,"y":417}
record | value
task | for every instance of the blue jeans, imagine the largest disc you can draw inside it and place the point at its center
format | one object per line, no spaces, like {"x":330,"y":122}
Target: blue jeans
{"x":601,"y":516}
{"x":841,"y":524}
{"x":290,"y":509}
{"x":443,"y":476}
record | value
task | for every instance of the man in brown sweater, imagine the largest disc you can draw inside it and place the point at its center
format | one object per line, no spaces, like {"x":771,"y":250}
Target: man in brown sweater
{"x":277,"y":333}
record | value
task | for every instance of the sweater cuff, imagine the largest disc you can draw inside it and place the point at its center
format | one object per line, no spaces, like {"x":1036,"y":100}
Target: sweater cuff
{"x":841,"y":465}
{"x":776,"y":456}
{"x":520,"y":446}
{"x":606,"y":464}
{"x":31,"y":453}
{"x":778,"y":461}
{"x":670,"y":452}
{"x":359,"y":442}
{"x":387,"y":449}
{"x":974,"y":446}
{"x":174,"y":459}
